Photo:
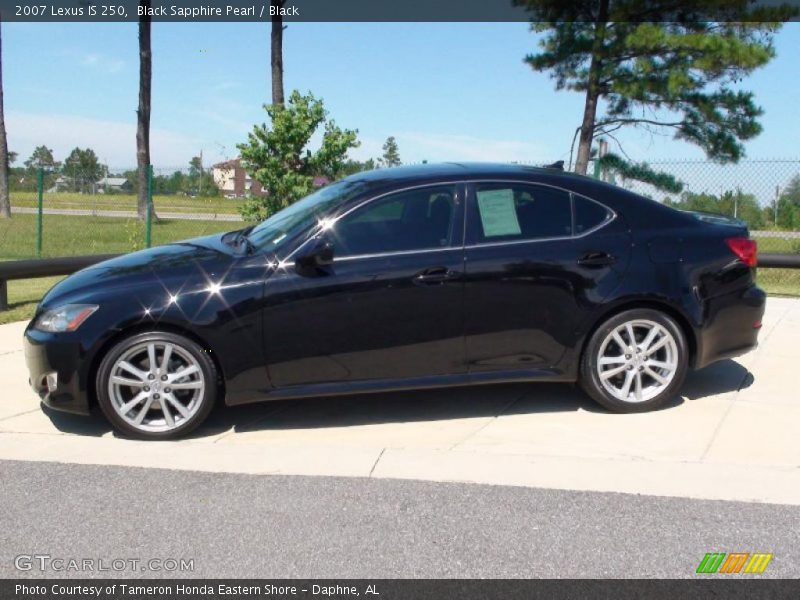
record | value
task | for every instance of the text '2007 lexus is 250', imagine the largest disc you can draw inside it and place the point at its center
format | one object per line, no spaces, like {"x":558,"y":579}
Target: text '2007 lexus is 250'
{"x":404,"y":278}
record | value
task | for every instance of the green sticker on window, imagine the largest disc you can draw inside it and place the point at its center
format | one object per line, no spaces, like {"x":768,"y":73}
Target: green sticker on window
{"x":498,"y":213}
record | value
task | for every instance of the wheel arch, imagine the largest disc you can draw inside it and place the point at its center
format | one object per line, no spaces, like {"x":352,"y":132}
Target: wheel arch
{"x":681,"y":319}
{"x":91,"y":376}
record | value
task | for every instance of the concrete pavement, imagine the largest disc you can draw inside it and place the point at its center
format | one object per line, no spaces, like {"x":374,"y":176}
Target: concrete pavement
{"x":127,"y":214}
{"x":732,"y":436}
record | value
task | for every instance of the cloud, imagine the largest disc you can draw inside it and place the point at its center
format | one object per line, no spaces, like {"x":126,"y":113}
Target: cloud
{"x":113,"y":141}
{"x":102,"y":62}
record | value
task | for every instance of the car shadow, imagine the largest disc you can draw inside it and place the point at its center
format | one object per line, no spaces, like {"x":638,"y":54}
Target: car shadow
{"x":417,"y":406}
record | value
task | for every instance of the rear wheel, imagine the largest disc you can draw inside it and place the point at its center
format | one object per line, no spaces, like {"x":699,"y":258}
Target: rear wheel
{"x":635,"y":361}
{"x":156,"y":385}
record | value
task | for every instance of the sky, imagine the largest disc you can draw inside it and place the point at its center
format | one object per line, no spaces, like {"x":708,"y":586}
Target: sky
{"x":446,"y":91}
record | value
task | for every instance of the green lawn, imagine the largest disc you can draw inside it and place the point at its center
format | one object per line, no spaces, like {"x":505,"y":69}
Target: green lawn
{"x":23,"y":296}
{"x":778,"y":245}
{"x":128,"y":202}
{"x":72,"y":236}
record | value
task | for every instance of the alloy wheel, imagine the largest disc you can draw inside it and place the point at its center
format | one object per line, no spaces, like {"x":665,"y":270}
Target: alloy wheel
{"x":156,"y":386}
{"x":637,"y":360}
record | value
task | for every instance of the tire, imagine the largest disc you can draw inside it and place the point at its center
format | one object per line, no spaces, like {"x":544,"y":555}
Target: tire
{"x":658,"y":368}
{"x":175,"y":405}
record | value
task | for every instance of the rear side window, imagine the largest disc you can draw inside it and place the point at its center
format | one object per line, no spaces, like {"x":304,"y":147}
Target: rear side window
{"x":588,"y":214}
{"x":509,"y":212}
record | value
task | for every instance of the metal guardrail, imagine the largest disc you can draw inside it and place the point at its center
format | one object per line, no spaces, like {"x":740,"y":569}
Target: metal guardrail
{"x":784,"y":235}
{"x":778,"y":261}
{"x":49,"y":267}
{"x":44,"y":267}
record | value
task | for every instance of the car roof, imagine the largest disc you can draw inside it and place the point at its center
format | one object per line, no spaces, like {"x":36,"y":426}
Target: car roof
{"x":457,"y":170}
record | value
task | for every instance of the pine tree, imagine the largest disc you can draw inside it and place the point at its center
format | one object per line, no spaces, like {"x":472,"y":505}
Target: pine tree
{"x":391,"y":154}
{"x":657,"y":64}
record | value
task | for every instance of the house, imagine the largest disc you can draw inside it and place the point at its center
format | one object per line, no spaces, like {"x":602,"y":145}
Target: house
{"x":234,"y":182}
{"x":113,"y":184}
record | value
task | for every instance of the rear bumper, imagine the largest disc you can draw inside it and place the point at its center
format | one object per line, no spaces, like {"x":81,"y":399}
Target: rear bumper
{"x":59,"y":357}
{"x":732,"y":324}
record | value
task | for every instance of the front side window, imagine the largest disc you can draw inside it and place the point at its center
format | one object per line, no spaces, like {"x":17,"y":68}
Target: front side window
{"x":303,"y":214}
{"x":416,"y":219}
{"x":503,"y":212}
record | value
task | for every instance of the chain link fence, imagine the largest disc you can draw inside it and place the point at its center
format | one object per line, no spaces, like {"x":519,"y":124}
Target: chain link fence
{"x":96,"y":212}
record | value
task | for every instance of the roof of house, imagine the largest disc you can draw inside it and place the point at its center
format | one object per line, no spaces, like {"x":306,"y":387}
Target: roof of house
{"x":228,"y":164}
{"x":113,"y":181}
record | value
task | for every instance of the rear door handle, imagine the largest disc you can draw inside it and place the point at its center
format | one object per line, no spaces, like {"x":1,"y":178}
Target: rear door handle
{"x":433,"y":275}
{"x":596,"y":259}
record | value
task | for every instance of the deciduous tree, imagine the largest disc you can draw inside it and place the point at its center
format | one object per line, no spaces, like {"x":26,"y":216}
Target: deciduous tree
{"x":83,"y":169}
{"x":278,"y":157}
{"x":42,"y":158}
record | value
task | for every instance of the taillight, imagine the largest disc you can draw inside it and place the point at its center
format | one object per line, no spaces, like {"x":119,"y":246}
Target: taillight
{"x":745,"y":248}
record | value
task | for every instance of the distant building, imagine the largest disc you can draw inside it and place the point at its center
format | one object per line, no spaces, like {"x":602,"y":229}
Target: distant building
{"x":113,"y":184}
{"x":234,"y":182}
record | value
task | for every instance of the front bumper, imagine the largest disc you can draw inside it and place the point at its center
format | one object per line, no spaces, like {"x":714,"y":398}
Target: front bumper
{"x":733,"y":322}
{"x":60,"y":357}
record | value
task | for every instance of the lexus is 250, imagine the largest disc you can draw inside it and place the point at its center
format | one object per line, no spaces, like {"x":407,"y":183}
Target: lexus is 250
{"x":404,"y":278}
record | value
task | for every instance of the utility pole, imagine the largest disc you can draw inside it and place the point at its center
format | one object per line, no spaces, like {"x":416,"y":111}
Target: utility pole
{"x":777,"y":194}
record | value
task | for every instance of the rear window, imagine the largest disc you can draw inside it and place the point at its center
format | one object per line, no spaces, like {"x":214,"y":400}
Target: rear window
{"x":510,"y":212}
{"x":589,"y":214}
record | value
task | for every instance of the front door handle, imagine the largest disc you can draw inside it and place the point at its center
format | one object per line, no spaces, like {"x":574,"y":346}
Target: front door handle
{"x":596,"y":259}
{"x":433,"y":275}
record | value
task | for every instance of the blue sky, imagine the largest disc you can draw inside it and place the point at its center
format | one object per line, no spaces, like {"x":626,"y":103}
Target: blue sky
{"x":446,"y":91}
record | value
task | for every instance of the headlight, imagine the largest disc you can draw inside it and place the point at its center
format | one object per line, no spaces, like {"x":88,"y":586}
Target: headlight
{"x":65,"y":318}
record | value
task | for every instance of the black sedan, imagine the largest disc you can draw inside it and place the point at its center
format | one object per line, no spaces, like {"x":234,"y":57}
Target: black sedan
{"x":413,"y":277}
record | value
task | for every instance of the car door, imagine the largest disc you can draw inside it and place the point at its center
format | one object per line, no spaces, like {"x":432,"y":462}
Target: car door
{"x":538,"y":259}
{"x":390,"y":306}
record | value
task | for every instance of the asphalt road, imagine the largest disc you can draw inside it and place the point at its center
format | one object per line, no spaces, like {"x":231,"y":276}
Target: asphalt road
{"x":290,"y":526}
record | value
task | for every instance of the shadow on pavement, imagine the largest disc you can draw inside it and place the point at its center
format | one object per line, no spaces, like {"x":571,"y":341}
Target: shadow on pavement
{"x":417,"y":406}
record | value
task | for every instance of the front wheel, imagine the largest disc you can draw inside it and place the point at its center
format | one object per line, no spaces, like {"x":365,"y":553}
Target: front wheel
{"x":156,"y":385}
{"x":635,"y":361}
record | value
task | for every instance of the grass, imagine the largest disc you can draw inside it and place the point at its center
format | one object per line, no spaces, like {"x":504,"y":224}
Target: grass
{"x":779,"y":282}
{"x":69,"y":236}
{"x":176,"y":204}
{"x":72,"y":236}
{"x":23,"y":296}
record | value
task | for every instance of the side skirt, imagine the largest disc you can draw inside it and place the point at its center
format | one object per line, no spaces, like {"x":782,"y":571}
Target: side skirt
{"x":395,"y":385}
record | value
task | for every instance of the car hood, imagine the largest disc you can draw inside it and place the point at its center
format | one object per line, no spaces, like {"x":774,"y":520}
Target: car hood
{"x":164,"y":263}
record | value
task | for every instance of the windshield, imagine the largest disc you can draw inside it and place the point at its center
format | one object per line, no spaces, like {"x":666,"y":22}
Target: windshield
{"x":303,"y":214}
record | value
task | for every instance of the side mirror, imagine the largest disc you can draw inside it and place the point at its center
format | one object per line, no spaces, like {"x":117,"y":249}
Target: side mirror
{"x":311,"y":260}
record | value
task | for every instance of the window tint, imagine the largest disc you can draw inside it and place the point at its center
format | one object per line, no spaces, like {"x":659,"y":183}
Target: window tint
{"x":507,"y":212}
{"x":588,"y":214}
{"x":411,"y":220}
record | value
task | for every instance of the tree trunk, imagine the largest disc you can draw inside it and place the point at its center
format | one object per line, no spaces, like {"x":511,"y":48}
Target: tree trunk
{"x":143,"y":113}
{"x":277,"y":52}
{"x":587,"y":133}
{"x":5,"y":203}
{"x":592,"y":92}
